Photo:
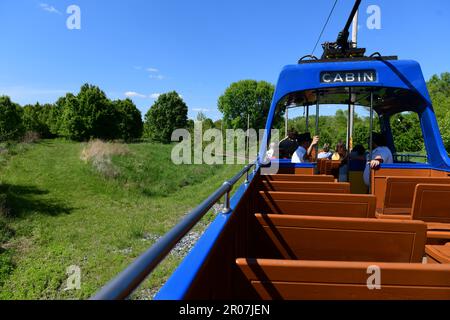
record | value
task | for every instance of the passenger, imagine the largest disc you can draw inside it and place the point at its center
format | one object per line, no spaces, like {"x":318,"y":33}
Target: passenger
{"x":306,"y":146}
{"x":358,"y":153}
{"x":288,"y":145}
{"x":272,"y":152}
{"x":380,"y":154}
{"x":341,"y":153}
{"x":325,"y":153}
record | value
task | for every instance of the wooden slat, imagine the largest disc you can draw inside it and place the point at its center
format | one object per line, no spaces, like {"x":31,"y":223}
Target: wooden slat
{"x":431,"y":203}
{"x":317,"y":204}
{"x":439,"y":253}
{"x":345,"y":239}
{"x":378,"y":181}
{"x":286,"y":279}
{"x":316,"y":187}
{"x":399,"y":194}
{"x":297,"y":177}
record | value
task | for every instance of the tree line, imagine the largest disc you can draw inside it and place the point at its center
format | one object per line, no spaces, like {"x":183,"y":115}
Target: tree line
{"x":90,"y":114}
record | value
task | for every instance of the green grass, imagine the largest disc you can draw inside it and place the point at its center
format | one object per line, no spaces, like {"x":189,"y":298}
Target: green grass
{"x":63,"y":213}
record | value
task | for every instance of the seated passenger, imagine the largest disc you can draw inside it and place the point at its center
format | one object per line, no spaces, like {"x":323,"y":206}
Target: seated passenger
{"x":288,"y":145}
{"x":306,"y":145}
{"x":341,"y":153}
{"x":325,"y":153}
{"x":358,"y":153}
{"x":380,"y":154}
{"x":272,"y":153}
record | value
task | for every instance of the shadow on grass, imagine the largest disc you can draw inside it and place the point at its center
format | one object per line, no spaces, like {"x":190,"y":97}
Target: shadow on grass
{"x":23,"y":200}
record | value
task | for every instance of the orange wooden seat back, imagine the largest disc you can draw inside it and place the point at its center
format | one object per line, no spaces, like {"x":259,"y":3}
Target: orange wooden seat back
{"x":432,"y":203}
{"x":399,"y":194}
{"x":316,"y":187}
{"x":317,"y":204}
{"x":344,"y":239}
{"x":331,"y":280}
{"x":297,"y":177}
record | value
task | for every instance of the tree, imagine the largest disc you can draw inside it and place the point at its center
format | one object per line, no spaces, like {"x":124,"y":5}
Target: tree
{"x":10,"y":119}
{"x":130,"y":124}
{"x":35,"y":119}
{"x":406,"y":132}
{"x":207,"y":123}
{"x":167,"y":114}
{"x":247,"y":97}
{"x":72,"y":124}
{"x":439,"y":89}
{"x":90,"y":114}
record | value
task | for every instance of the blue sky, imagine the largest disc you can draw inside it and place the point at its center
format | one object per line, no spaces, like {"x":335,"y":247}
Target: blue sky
{"x":142,"y":48}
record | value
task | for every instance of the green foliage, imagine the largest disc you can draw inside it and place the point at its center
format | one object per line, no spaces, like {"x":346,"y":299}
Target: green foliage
{"x":207,"y":123}
{"x":6,"y":266}
{"x":10,"y":119}
{"x":406,"y":132}
{"x":167,"y":114}
{"x":36,"y":118}
{"x":247,"y":97}
{"x":6,"y":232}
{"x":439,"y":89}
{"x":130,"y":126}
{"x":91,"y":114}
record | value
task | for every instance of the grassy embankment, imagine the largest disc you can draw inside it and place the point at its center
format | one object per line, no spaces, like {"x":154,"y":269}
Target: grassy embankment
{"x":57,"y":210}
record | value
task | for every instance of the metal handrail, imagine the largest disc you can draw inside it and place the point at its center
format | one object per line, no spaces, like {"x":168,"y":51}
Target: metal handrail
{"x":407,"y":156}
{"x":129,"y":279}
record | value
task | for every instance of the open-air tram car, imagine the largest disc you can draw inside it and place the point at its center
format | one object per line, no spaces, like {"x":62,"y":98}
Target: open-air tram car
{"x":301,"y":234}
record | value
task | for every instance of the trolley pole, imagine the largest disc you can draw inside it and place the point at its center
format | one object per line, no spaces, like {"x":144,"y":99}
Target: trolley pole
{"x":351,"y":109}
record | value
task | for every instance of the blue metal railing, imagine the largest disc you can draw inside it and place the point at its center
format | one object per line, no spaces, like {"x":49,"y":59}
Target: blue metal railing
{"x":129,"y":279}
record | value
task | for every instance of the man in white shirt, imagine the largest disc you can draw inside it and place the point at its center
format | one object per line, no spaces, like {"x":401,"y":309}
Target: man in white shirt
{"x":380,"y":154}
{"x":306,"y":145}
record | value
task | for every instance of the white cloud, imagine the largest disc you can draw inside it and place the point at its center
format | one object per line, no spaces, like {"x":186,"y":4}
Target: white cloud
{"x":49,"y":8}
{"x":201,"y":110}
{"x":133,"y":94}
{"x":155,"y":95}
{"x":157,"y":77}
{"x":154,"y":70}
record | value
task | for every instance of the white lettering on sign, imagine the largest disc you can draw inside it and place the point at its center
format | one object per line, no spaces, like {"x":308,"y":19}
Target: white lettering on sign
{"x":348,"y":76}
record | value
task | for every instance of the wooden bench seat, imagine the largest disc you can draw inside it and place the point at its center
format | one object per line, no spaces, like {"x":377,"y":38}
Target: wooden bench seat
{"x":316,"y":187}
{"x":317,"y":204}
{"x":439,"y":254}
{"x":430,"y":205}
{"x":329,"y":167}
{"x":334,"y":280}
{"x":297,"y":177}
{"x":399,"y":195}
{"x":342,"y":239}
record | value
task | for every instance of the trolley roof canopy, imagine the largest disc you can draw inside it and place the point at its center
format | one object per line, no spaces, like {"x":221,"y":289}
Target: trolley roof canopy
{"x":392,"y":85}
{"x":396,"y":85}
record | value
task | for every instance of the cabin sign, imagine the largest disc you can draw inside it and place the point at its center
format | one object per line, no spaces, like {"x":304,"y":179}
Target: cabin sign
{"x":355,"y":76}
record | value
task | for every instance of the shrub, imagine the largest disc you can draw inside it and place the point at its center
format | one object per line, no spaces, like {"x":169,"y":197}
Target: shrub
{"x":129,"y":119}
{"x":89,"y":114}
{"x":10,"y":119}
{"x":167,"y":114}
{"x":99,"y":154}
